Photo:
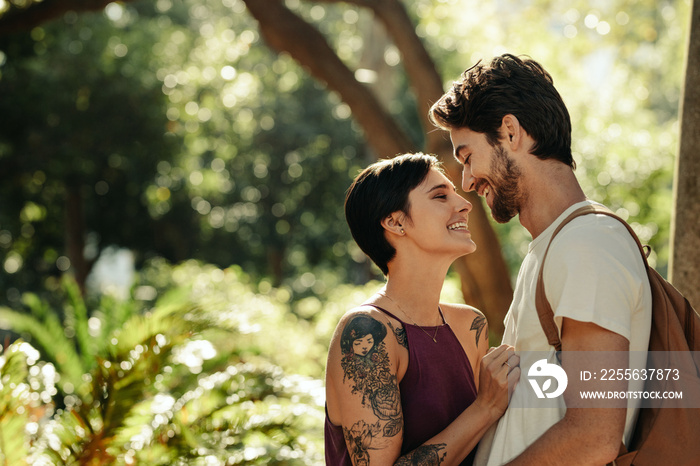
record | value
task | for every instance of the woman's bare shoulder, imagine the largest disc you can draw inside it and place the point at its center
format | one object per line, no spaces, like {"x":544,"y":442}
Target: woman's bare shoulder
{"x":362,"y":311}
{"x":467,"y":319}
{"x":461,"y":312}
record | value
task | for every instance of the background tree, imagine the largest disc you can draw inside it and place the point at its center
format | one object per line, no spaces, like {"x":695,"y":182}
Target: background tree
{"x":685,"y":237}
{"x":70,"y":178}
{"x":83,"y":130}
{"x":133,"y":165}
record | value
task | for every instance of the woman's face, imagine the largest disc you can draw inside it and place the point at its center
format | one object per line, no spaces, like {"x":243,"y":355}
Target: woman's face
{"x":361,"y":346}
{"x":439,"y":217}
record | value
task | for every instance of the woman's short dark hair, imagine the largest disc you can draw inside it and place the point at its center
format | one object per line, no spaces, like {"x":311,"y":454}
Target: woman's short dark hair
{"x":380,"y":190}
{"x":509,"y":85}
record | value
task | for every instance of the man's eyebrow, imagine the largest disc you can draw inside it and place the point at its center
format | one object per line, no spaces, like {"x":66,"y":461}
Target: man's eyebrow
{"x":458,"y":149}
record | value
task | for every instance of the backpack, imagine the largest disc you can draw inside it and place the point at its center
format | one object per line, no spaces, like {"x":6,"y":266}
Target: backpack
{"x":661,"y":435}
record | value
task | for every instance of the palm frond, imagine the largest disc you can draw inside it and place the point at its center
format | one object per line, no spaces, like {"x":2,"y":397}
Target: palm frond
{"x":48,"y":337}
{"x":114,"y":313}
{"x":123,"y":381}
{"x":38,"y":308}
{"x":13,"y":441}
{"x":13,"y":405}
{"x":74,"y":306}
{"x":246,"y":404}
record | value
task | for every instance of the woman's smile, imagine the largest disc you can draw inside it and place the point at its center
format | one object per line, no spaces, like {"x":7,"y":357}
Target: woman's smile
{"x":460,"y":226}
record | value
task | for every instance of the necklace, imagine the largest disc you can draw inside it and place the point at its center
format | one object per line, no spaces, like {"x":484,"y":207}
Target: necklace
{"x":437,"y":327}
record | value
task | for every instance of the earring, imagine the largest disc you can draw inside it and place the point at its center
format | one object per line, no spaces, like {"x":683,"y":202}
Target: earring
{"x":402,"y":231}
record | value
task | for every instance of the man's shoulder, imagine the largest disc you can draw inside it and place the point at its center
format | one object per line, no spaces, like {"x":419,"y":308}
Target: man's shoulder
{"x":594,"y":232}
{"x":597,"y":243}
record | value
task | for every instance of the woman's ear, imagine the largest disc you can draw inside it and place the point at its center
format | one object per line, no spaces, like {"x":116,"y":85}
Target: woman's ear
{"x":394,"y":223}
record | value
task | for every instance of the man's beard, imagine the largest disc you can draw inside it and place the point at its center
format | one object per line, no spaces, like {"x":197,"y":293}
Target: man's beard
{"x":507,"y":198}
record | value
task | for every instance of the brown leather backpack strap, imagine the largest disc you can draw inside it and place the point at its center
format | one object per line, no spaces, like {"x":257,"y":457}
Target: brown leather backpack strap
{"x":544,"y":309}
{"x":546,"y":315}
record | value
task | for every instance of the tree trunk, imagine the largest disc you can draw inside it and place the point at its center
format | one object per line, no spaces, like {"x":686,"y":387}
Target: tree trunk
{"x":684,"y":266}
{"x":484,"y":274}
{"x":275,"y":259}
{"x":75,"y":235}
{"x":286,"y":32}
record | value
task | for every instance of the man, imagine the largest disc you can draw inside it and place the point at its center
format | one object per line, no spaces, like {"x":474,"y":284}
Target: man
{"x":512,"y":133}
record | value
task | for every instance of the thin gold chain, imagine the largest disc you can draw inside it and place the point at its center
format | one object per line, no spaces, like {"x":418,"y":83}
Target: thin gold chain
{"x":437,"y":327}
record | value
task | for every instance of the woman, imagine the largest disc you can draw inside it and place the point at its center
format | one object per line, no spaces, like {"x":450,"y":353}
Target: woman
{"x":410,"y":380}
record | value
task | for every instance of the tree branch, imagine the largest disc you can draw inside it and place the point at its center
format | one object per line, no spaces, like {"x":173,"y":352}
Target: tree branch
{"x":424,"y":77}
{"x":284,"y":31}
{"x":24,"y":19}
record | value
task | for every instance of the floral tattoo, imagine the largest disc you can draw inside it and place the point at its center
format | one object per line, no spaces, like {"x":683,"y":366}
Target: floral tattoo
{"x":360,"y":438}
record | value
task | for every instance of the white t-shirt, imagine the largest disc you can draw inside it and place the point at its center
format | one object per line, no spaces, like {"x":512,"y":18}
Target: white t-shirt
{"x":594,"y":272}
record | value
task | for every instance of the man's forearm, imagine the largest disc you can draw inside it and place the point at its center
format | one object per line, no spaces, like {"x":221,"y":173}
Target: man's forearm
{"x":585,"y":436}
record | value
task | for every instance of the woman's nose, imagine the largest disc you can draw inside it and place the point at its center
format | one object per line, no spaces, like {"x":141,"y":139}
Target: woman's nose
{"x":464,"y":205}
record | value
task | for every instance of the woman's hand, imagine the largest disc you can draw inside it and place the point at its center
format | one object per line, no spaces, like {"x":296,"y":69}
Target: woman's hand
{"x":499,"y":371}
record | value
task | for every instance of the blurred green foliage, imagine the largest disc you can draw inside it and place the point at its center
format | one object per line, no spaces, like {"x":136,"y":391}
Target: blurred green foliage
{"x":212,"y":372}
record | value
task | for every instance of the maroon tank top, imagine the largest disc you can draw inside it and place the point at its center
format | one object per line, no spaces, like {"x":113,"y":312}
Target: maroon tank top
{"x":437,"y":387}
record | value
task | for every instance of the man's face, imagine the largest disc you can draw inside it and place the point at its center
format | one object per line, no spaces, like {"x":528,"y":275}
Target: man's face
{"x":490,"y":171}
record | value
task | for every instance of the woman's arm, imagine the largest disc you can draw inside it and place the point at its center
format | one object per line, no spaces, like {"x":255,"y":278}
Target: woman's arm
{"x":364,"y":398}
{"x":363,"y":388}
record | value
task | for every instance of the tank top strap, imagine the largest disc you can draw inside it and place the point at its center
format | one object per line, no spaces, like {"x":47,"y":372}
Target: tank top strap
{"x":444,"y":321}
{"x":387,"y":313}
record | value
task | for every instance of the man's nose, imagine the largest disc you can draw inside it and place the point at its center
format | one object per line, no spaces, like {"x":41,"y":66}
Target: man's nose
{"x":468,"y":181}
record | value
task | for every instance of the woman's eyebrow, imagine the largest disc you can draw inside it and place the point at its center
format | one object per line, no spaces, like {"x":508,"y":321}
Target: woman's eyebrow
{"x":441,"y":186}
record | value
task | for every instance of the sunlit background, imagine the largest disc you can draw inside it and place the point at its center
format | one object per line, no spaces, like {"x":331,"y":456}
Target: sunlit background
{"x":172,"y":238}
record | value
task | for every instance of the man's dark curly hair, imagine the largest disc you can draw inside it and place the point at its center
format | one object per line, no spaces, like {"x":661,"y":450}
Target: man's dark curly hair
{"x":509,"y":85}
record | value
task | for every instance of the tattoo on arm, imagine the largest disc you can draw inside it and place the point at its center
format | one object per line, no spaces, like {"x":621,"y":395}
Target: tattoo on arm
{"x":426,"y":455}
{"x":365,"y":363}
{"x":478,"y":324}
{"x":359,"y":439}
{"x":400,"y":334}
